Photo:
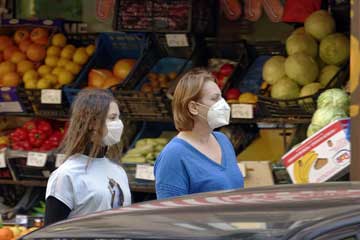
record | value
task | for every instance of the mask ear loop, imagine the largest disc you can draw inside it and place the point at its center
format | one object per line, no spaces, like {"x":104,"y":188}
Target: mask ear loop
{"x":205,"y":118}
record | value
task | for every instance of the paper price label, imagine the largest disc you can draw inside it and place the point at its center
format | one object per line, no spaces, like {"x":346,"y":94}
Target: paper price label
{"x":242,"y":111}
{"x":10,"y":107}
{"x":60,"y":159}
{"x":36,"y":159}
{"x":2,"y":158}
{"x":145,"y":172}
{"x":177,"y":40}
{"x":51,"y":96}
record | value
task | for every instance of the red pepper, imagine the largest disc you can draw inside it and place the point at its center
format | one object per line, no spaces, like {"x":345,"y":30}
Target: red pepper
{"x":29,"y":125}
{"x":19,"y":135}
{"x":37,"y":137}
{"x":45,"y":127}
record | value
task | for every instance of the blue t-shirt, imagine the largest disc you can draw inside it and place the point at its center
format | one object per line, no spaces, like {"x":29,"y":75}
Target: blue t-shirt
{"x":181,"y":169}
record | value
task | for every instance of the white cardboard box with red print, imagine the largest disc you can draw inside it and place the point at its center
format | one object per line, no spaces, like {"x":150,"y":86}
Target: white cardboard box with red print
{"x":322,"y":156}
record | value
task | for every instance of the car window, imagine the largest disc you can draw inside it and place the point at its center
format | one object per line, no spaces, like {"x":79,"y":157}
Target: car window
{"x":346,"y":233}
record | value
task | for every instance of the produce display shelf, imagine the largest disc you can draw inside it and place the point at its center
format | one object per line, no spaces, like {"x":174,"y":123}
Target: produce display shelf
{"x":28,"y":183}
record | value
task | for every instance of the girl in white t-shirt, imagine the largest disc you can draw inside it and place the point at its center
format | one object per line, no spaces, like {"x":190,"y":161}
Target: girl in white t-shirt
{"x":88,"y":181}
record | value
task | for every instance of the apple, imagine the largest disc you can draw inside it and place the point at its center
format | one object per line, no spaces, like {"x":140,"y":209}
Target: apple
{"x":232,"y":94}
{"x":226,"y":69}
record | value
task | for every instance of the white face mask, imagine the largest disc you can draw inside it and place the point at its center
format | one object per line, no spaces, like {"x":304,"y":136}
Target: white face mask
{"x":114,"y":132}
{"x":218,"y":114}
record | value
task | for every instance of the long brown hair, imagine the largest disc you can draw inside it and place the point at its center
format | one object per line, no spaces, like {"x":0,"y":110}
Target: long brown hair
{"x":87,"y":123}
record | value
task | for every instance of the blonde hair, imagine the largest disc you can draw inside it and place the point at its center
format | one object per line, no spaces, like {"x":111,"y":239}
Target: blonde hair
{"x":88,"y":115}
{"x":188,"y":89}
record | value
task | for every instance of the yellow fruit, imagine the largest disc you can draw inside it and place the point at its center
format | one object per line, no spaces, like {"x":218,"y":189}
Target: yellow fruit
{"x":90,"y":49}
{"x":6,"y":67}
{"x":17,"y":57}
{"x":30,"y":75}
{"x":80,"y":56}
{"x":63,"y":62}
{"x":24,"y":66}
{"x":59,"y":40}
{"x":53,"y":51}
{"x":31,"y":84}
{"x":44,"y":69}
{"x":43,"y":84}
{"x":51,"y":61}
{"x":51,"y":78}
{"x":57,"y":70}
{"x":74,"y":68}
{"x":65,"y":77}
{"x":68,"y":52}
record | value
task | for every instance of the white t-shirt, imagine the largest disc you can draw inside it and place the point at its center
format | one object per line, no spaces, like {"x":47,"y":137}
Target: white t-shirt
{"x":87,"y":187}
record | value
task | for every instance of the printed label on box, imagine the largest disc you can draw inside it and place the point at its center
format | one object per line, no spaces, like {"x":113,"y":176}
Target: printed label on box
{"x":321,"y":156}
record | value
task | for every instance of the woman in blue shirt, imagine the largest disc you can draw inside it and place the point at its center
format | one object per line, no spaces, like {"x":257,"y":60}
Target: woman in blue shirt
{"x":197,"y":159}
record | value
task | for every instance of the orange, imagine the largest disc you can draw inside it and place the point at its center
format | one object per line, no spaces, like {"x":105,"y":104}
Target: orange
{"x":25,"y":44}
{"x":123,"y":67}
{"x":40,"y":36}
{"x":11,"y":80}
{"x":24,"y":66}
{"x":6,"y":67}
{"x":8,"y":52}
{"x":21,"y":35}
{"x":17,"y":57}
{"x":36,"y":52}
{"x":5,"y":42}
{"x":6,"y":234}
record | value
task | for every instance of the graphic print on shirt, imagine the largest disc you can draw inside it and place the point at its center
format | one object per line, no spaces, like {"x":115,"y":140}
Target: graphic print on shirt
{"x":117,"y":195}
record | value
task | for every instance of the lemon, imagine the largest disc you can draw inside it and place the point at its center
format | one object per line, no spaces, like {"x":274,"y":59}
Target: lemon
{"x":90,"y":49}
{"x":53,"y":51}
{"x":31,"y":84}
{"x":51,"y":78}
{"x":59,"y":40}
{"x":80,"y":56}
{"x":30,"y":75}
{"x":74,"y":68}
{"x":51,"y":61}
{"x":44,"y":69}
{"x":68,"y":52}
{"x":63,"y":62}
{"x":57,"y":70}
{"x":43,"y":84}
{"x":65,"y":77}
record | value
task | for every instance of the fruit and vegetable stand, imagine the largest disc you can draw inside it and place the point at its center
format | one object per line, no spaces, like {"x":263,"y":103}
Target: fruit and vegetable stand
{"x":293,"y":82}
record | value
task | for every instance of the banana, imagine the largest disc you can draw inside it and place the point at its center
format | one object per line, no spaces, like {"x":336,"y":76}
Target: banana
{"x":308,"y":163}
{"x":303,"y":166}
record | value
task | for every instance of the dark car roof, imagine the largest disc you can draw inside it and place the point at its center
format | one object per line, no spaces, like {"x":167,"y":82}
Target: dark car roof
{"x":276,"y":212}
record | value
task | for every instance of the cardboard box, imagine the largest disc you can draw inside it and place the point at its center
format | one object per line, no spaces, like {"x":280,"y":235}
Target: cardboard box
{"x":256,"y":174}
{"x":322,"y":156}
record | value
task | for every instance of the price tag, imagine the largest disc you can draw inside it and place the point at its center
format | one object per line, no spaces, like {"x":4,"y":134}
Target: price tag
{"x":60,"y":158}
{"x":2,"y":158}
{"x":21,"y":220}
{"x":145,"y":172}
{"x":36,"y":159}
{"x":51,"y":96}
{"x":177,"y":40}
{"x":10,"y":107}
{"x":242,"y":111}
